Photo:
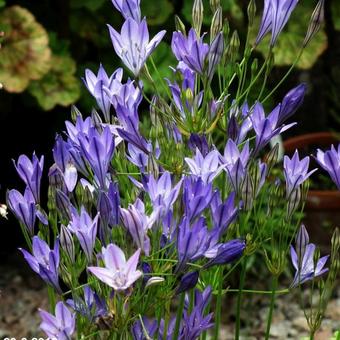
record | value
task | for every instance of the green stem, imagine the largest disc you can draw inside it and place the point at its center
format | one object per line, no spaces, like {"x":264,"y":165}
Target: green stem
{"x":178,"y":317}
{"x":239,"y":299}
{"x":218,"y":305}
{"x":271,"y":307}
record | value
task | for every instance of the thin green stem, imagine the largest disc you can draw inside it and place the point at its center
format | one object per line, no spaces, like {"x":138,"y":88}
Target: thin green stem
{"x":218,"y":305}
{"x":271,"y":307}
{"x":179,"y":316}
{"x":239,"y":299}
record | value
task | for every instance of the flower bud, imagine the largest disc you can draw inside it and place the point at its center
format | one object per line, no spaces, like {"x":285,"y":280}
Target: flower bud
{"x":247,"y":192}
{"x":155,"y":280}
{"x":234,"y":45}
{"x":251,"y":11}
{"x":197,"y":16}
{"x":214,"y":4}
{"x":294,"y":200}
{"x":216,"y":24}
{"x":254,"y":66}
{"x":233,"y":128}
{"x":188,"y":281}
{"x":315,"y":22}
{"x":66,"y":242}
{"x":272,"y":156}
{"x":75,"y":113}
{"x":153,"y":166}
{"x":180,"y":27}
{"x":97,"y":120}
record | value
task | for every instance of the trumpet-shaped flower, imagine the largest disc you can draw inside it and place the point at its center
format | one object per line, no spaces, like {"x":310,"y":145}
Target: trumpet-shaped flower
{"x":132,"y":45}
{"x":128,"y":8}
{"x":44,"y":261}
{"x":117,"y":273}
{"x":303,"y":259}
{"x":85,"y":229}
{"x":276,"y":13}
{"x":295,"y":171}
{"x":330,"y":161}
{"x":60,"y":326}
{"x":31,"y":172}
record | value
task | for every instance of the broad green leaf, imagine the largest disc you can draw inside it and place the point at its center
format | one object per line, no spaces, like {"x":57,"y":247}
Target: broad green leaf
{"x":59,"y":86}
{"x":290,"y":40}
{"x":25,"y":54}
{"x":92,"y":5}
{"x":157,"y":12}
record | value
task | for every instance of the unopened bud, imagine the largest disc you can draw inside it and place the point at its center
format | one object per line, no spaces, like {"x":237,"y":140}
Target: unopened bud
{"x":66,"y":242}
{"x":251,"y":11}
{"x":188,"y":281}
{"x":226,"y":29}
{"x":180,"y":27}
{"x":97,"y":120}
{"x":234,"y":45}
{"x":153,"y":166}
{"x":254,"y":67}
{"x":247,"y":192}
{"x":272,"y":157}
{"x":216,"y":24}
{"x":155,"y":280}
{"x":197,"y":16}
{"x":315,"y":22}
{"x":189,"y":96}
{"x":153,"y":110}
{"x":75,"y":113}
{"x":214,"y":4}
{"x":293,"y":201}
{"x":233,"y":128}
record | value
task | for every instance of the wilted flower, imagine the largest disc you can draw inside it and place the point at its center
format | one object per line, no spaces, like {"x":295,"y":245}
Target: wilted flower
{"x":44,"y":261}
{"x":330,"y":161}
{"x":118,"y":273}
{"x":61,"y":326}
{"x":303,"y":259}
{"x":133,"y":45}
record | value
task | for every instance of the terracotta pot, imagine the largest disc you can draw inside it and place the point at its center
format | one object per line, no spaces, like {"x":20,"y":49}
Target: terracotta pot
{"x":322,"y":210}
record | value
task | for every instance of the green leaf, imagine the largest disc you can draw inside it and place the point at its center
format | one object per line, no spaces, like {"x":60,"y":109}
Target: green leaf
{"x":290,"y":40}
{"x":59,"y":86}
{"x":92,"y":5}
{"x":2,"y":3}
{"x":25,"y":54}
{"x":336,"y":14}
{"x":157,"y":12}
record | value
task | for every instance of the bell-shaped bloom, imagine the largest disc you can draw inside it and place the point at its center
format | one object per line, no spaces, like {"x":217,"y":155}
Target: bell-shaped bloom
{"x":138,"y":223}
{"x":235,"y":162}
{"x":44,"y":261}
{"x":191,"y":50}
{"x":85,"y":228}
{"x":330,"y":161}
{"x":60,"y":326}
{"x":92,"y":306}
{"x":295,"y":171}
{"x":97,"y":148}
{"x":132,"y":45}
{"x":117,"y":273}
{"x":23,"y":208}
{"x":197,"y":196}
{"x":128,"y":8}
{"x":161,"y":192}
{"x":291,"y":102}
{"x":207,"y":167}
{"x":276,"y":13}
{"x":96,"y":84}
{"x":303,"y":259}
{"x":31,"y":172}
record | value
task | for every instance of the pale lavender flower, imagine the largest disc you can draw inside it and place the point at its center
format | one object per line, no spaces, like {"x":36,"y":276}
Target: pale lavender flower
{"x":60,"y":326}
{"x":85,"y":228}
{"x":117,"y":273}
{"x":191,"y":50}
{"x":97,"y":84}
{"x":330,"y":161}
{"x":276,"y":13}
{"x":295,"y":171}
{"x":303,"y":259}
{"x":207,"y":167}
{"x":132,"y":45}
{"x":44,"y":261}
{"x":128,"y":8}
{"x":81,"y":127}
{"x":31,"y":172}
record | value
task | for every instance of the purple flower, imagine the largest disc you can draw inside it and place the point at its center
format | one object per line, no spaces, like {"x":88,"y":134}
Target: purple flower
{"x":117,"y":273}
{"x":23,"y":208}
{"x":275,"y":16}
{"x":61,"y":326}
{"x":133,"y":45}
{"x":295,"y":171}
{"x":138,"y":224}
{"x":235,"y":162}
{"x":128,"y":8}
{"x":137,"y":157}
{"x":206,"y":167}
{"x":31,"y":172}
{"x":44,"y":261}
{"x":149,"y":326}
{"x":108,"y":205}
{"x":98,"y":149}
{"x":86,"y":230}
{"x":96,"y":84}
{"x":198,"y":142}
{"x":188,"y":281}
{"x":330,"y":161}
{"x":215,"y":54}
{"x":191,"y":50}
{"x":303,"y":259}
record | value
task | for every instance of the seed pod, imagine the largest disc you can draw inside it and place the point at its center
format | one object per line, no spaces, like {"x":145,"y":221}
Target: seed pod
{"x":315,"y":22}
{"x":197,"y":16}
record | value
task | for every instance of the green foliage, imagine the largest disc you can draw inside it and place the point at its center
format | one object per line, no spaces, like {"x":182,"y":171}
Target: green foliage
{"x":2,"y":3}
{"x":336,"y":14}
{"x":92,"y":5}
{"x":58,"y":86}
{"x":157,"y":12}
